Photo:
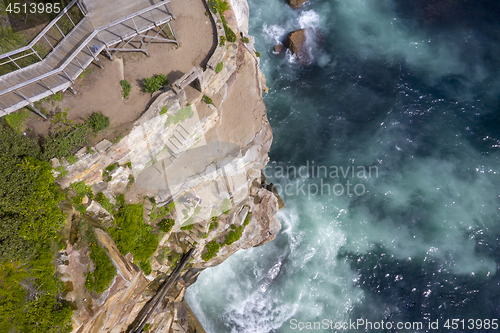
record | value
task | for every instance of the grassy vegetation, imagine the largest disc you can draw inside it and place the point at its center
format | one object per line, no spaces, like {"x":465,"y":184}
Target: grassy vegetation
{"x":163,"y":110}
{"x":97,"y":121}
{"x":106,"y":176}
{"x":16,"y":120}
{"x":63,"y":143}
{"x":160,"y":212}
{"x":58,"y":97}
{"x":62,"y":171}
{"x":214,"y":224}
{"x":126,"y":88}
{"x":104,"y":202}
{"x":212,"y":248}
{"x":29,"y":222}
{"x":226,"y":206}
{"x":87,"y":71}
{"x":166,"y":225}
{"x":247,"y":219}
{"x":219,"y":67}
{"x":81,"y":191}
{"x":132,"y":234}
{"x":154,"y":83}
{"x":104,"y":271}
{"x":181,"y":115}
{"x":207,"y":100}
{"x":187,"y":227}
{"x":245,"y":40}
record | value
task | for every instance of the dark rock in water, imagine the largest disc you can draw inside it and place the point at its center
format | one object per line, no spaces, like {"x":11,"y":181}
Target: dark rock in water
{"x":295,"y":3}
{"x":295,"y":41}
{"x":278,"y":49}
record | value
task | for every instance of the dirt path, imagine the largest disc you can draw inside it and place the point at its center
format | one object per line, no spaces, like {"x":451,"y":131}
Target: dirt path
{"x":100,"y":90}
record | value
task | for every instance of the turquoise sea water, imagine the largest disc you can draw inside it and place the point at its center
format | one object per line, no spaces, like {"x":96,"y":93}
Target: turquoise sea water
{"x":405,"y":93}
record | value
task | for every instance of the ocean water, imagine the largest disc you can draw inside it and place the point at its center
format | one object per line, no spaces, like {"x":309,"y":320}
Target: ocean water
{"x":386,"y":153}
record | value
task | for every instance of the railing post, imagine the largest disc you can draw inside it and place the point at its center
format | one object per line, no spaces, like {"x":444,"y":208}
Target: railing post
{"x":35,"y":52}
{"x":70,"y":19}
{"x":69,"y":77}
{"x":14,"y":62}
{"x":48,"y":42}
{"x":30,"y":104}
{"x":59,"y":30}
{"x":81,"y":7}
{"x":95,"y":58}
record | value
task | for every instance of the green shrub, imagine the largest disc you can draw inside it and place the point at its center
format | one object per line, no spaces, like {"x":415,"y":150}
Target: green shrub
{"x":16,"y":120}
{"x":72,"y":159}
{"x":214,"y":224}
{"x":97,"y":121}
{"x":104,"y":271}
{"x":81,"y":190}
{"x":61,"y":121}
{"x":222,"y":6}
{"x":233,"y":235}
{"x":163,"y":110}
{"x":104,"y":202}
{"x":109,"y":169}
{"x":222,"y":41}
{"x":126,"y":88}
{"x":146,"y":267}
{"x":154,"y":83}
{"x":166,"y":225}
{"x":257,"y":54}
{"x":129,"y":164}
{"x":212,"y":250}
{"x":247,"y":219}
{"x":62,"y":171}
{"x":245,"y":40}
{"x":219,"y":67}
{"x":207,"y":100}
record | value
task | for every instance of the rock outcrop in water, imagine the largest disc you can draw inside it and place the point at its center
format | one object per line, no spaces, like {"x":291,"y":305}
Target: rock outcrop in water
{"x":295,"y":4}
{"x":296,"y":42}
{"x":211,"y":150}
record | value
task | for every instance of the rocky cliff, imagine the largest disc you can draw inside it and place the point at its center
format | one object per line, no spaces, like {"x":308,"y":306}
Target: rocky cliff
{"x":198,"y":152}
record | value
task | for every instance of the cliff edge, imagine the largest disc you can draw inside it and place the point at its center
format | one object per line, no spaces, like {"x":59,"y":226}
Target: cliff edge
{"x":191,"y":165}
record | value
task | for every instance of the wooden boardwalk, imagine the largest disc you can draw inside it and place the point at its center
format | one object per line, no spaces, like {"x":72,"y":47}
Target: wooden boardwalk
{"x":106,"y":26}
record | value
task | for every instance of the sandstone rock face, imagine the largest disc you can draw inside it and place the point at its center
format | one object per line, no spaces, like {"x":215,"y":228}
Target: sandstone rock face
{"x":295,"y":4}
{"x":216,"y":151}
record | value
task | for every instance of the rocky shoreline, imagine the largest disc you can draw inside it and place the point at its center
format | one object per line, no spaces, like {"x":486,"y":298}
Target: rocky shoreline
{"x":224,"y":119}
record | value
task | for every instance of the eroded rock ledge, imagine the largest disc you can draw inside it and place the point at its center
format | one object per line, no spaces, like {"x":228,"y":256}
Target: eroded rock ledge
{"x":234,"y":125}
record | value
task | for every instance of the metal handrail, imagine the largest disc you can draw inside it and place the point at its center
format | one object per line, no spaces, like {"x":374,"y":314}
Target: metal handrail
{"x":41,"y":34}
{"x":80,"y":48}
